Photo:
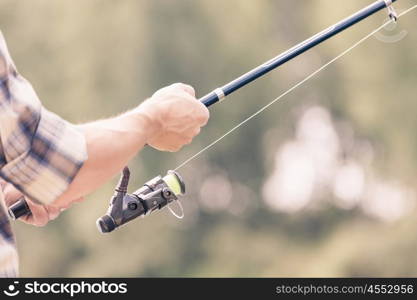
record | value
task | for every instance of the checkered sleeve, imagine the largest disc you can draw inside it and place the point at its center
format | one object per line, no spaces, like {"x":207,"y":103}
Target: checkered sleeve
{"x":40,"y":153}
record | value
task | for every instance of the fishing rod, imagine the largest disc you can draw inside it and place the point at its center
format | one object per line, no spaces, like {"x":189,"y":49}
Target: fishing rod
{"x":162,"y":191}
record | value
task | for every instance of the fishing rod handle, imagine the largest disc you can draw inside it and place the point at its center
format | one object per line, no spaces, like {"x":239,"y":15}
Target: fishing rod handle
{"x":19,"y":209}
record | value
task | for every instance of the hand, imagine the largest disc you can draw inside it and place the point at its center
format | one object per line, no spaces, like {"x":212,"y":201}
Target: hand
{"x":41,"y":214}
{"x":176,"y":116}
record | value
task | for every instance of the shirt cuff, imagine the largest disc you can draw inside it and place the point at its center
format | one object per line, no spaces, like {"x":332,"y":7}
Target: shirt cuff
{"x":57,"y":152}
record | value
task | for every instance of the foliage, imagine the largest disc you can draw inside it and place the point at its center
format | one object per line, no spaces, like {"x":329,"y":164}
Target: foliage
{"x":96,"y":58}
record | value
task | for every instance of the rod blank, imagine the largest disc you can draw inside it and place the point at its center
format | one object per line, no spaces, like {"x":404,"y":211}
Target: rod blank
{"x":227,"y":89}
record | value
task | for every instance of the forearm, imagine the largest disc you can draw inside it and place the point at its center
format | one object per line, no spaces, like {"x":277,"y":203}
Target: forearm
{"x":111,"y":144}
{"x":166,"y":121}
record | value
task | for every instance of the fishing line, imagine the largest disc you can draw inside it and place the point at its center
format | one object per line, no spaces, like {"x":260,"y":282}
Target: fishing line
{"x":291,"y":89}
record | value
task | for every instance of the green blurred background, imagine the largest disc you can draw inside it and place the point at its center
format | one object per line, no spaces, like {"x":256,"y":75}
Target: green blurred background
{"x":321,"y":184}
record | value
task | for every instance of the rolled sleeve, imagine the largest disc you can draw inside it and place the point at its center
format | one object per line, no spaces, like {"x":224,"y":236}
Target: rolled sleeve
{"x":56,"y":153}
{"x":40,"y":153}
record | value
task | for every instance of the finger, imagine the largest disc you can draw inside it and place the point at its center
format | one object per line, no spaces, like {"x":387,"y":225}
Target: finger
{"x":186,"y":88}
{"x":172,"y":148}
{"x":203,"y":116}
{"x":39,"y":215}
{"x":166,"y":147}
{"x":177,"y":143}
{"x":196,"y":131}
{"x":2,"y":184}
{"x":185,"y":140}
{"x":63,"y":205}
{"x":192,"y":132}
{"x":53,"y":212}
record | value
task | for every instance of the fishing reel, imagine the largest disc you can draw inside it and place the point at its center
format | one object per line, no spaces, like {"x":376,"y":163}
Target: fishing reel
{"x":153,"y":195}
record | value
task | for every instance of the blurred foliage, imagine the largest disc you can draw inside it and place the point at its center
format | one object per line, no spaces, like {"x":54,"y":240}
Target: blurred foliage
{"x":95,"y":58}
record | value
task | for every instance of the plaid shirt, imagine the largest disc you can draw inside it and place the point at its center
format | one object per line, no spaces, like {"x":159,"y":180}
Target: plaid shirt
{"x":40,"y":153}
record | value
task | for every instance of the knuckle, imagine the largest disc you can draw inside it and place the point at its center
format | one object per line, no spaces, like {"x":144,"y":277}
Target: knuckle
{"x":184,"y":88}
{"x":176,"y":84}
{"x":190,"y":89}
{"x":195,"y":131}
{"x":203,"y":117}
{"x":185,"y":139}
{"x":176,"y":148}
{"x":179,"y":85}
{"x":188,"y":140}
